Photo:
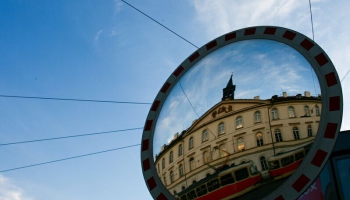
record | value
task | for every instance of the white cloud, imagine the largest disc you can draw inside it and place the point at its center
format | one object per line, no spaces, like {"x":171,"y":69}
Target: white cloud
{"x":8,"y":191}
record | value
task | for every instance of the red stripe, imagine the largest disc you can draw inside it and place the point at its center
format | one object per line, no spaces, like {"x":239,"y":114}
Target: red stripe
{"x":321,"y":59}
{"x":146,"y":164}
{"x":148,"y":125}
{"x":330,"y":130}
{"x":300,"y":183}
{"x":330,"y":79}
{"x":270,"y":31}
{"x":155,"y":105}
{"x":306,"y":44}
{"x":334,"y":103}
{"x":165,"y":87}
{"x":145,"y":145}
{"x":178,"y":71}
{"x":211,"y":45}
{"x":279,"y":198}
{"x":289,"y":35}
{"x":161,"y":196}
{"x":250,"y":31}
{"x":230,"y":36}
{"x":194,"y":56}
{"x":319,"y":158}
{"x":151,"y":183}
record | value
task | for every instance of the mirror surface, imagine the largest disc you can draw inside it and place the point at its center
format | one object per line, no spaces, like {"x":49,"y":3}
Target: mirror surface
{"x":238,"y":123}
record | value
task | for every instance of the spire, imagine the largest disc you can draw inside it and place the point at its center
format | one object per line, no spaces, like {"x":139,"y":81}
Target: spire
{"x":228,"y":93}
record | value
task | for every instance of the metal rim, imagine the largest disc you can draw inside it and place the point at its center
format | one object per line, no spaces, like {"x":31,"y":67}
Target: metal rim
{"x":329,"y":125}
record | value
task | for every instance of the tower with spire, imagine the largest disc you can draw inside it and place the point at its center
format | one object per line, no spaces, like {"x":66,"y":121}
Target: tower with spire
{"x":228,"y":93}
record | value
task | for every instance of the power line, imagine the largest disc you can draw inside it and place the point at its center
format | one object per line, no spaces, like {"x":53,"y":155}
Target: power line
{"x":312,"y":23}
{"x":159,"y":23}
{"x":69,"y":158}
{"x":69,"y":99}
{"x":70,"y":136}
{"x":344,"y":76}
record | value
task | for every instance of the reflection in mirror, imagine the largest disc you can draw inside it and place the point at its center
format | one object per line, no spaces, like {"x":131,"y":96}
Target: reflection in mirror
{"x":225,"y":135}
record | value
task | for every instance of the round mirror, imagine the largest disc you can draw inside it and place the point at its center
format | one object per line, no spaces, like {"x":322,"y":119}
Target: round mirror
{"x":244,"y":117}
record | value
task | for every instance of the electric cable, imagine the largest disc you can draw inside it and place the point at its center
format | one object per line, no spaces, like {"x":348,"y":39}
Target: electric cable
{"x":69,"y":99}
{"x":344,"y":76}
{"x":69,"y":136}
{"x":69,"y":158}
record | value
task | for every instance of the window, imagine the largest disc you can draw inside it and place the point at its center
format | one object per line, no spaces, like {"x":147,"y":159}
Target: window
{"x":164,"y":180}
{"x":204,"y":135}
{"x":309,"y":131}
{"x":259,"y":139}
{"x":190,"y":143}
{"x":241,"y":174}
{"x":307,"y":113}
{"x":263,"y":163}
{"x":202,"y":190}
{"x":291,"y":111}
{"x":163,"y":163}
{"x":181,"y":170}
{"x":158,"y":168}
{"x":206,"y":157}
{"x":171,"y":176}
{"x":183,"y":187}
{"x":257,"y":117}
{"x":227,"y":179}
{"x":239,"y":123}
{"x":278,"y":135}
{"x":213,"y":184}
{"x":221,"y":128}
{"x":192,"y":164}
{"x":274,"y":113}
{"x":296,"y":133}
{"x":240,"y":143}
{"x":222,"y":150}
{"x":171,"y":157}
{"x":180,"y":150}
{"x":318,"y":113}
{"x":287,"y":161}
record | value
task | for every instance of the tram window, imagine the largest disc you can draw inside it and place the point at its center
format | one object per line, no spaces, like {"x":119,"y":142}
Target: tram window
{"x":191,"y":195}
{"x":287,"y":160}
{"x":241,"y":174}
{"x":201,"y":190}
{"x":213,"y":185}
{"x":184,"y":197}
{"x":299,"y":155}
{"x":274,"y":164}
{"x":227,"y":179}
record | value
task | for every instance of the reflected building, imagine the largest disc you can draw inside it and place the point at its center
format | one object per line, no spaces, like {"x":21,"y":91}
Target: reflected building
{"x":238,"y":131}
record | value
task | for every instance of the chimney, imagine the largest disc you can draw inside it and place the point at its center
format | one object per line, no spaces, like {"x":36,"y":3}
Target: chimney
{"x":284,"y":94}
{"x":163,"y":147}
{"x":257,"y":97}
{"x":176,"y":135}
{"x":307,"y":94}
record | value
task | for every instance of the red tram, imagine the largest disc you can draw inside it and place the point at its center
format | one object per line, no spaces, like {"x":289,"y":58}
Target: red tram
{"x":283,"y":165}
{"x":227,"y":184}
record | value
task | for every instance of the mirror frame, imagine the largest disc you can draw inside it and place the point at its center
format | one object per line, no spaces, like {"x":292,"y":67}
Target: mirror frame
{"x":329,"y":125}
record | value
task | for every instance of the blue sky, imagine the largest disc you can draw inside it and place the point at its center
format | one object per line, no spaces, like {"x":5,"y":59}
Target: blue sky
{"x":106,"y":50}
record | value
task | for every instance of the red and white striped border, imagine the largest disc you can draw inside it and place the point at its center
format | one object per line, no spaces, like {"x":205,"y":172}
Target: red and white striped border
{"x":329,"y":125}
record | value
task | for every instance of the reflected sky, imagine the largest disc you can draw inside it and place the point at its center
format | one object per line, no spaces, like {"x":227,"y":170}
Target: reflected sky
{"x":261,"y":68}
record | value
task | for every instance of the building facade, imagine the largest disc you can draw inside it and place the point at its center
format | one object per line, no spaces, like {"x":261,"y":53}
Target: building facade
{"x":235,"y":131}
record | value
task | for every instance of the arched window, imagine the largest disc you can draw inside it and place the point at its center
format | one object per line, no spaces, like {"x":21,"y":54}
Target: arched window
{"x":291,"y":111}
{"x":175,"y":192}
{"x":206,"y":157}
{"x":309,"y":131}
{"x":171,"y":176}
{"x":259,"y":139}
{"x":296,"y":133}
{"x":274,"y":113}
{"x":307,"y":113}
{"x":263,"y":163}
{"x":190,"y":143}
{"x":158,"y":168}
{"x":278,"y":135}
{"x":171,"y":156}
{"x":222,"y":150}
{"x":164,"y":180}
{"x":192,"y":164}
{"x":204,"y":135}
{"x":181,"y":170}
{"x":221,"y":129}
{"x":239,"y":122}
{"x":183,"y":187}
{"x":240,"y":143}
{"x":163,"y":163}
{"x":257,"y":117}
{"x":180,"y":150}
{"x":318,"y":112}
{"x":194,"y":181}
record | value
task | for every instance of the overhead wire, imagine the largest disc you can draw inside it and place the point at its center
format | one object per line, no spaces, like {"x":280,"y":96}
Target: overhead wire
{"x":69,"y":136}
{"x":70,"y":99}
{"x":159,"y":23}
{"x":69,"y":158}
